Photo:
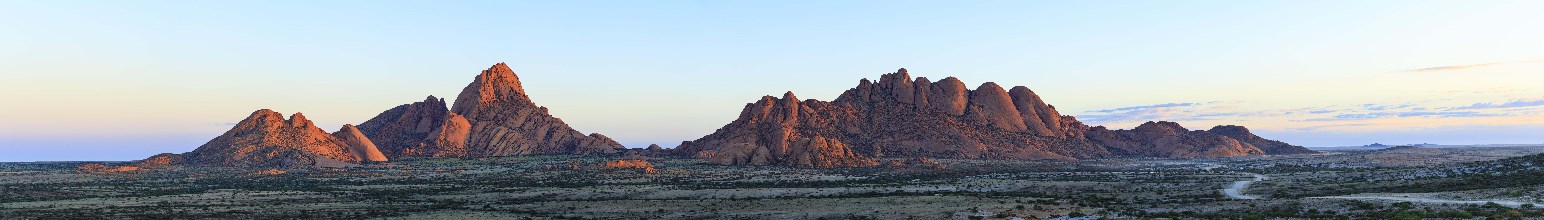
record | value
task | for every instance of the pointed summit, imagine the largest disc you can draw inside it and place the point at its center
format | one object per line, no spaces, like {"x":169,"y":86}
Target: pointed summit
{"x":497,"y":84}
{"x":504,"y":121}
{"x":501,"y":74}
{"x":357,"y":145}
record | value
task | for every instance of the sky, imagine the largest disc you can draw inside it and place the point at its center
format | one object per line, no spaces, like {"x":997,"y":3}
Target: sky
{"x":123,"y":80}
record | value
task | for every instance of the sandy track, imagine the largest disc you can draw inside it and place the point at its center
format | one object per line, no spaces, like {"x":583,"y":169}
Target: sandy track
{"x":1236,"y":190}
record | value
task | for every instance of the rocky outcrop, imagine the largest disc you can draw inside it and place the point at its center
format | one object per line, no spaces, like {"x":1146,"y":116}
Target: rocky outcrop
{"x":821,"y":152}
{"x":1169,"y":139}
{"x":905,"y":117}
{"x":639,"y":165}
{"x":420,"y":129}
{"x":1242,"y":134}
{"x":160,"y":161}
{"x":267,"y":139}
{"x":357,"y":145}
{"x":504,"y":121}
{"x":491,"y":117}
{"x":103,"y":168}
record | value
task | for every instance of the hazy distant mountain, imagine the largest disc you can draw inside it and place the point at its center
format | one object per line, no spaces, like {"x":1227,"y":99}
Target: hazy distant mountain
{"x":901,"y":116}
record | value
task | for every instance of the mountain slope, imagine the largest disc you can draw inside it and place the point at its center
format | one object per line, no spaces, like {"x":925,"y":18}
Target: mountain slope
{"x":267,"y":139}
{"x":901,"y":116}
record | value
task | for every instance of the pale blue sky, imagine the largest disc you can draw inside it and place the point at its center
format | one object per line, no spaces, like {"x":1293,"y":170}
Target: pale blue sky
{"x":122,"y":80}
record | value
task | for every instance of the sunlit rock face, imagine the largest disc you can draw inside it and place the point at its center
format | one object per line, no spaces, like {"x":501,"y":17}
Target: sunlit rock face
{"x":901,"y":116}
{"x":491,"y":117}
{"x":267,"y":139}
{"x":504,"y":121}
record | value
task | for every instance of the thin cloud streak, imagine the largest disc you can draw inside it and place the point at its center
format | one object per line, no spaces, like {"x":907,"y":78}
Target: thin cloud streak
{"x":1462,"y":67}
{"x":1515,"y":103}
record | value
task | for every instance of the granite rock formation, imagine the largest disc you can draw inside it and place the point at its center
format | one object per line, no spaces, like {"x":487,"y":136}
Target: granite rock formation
{"x":420,"y":129}
{"x":491,"y":117}
{"x":904,"y":117}
{"x":160,"y":160}
{"x":358,"y":145}
{"x":503,"y":121}
{"x":267,"y":139}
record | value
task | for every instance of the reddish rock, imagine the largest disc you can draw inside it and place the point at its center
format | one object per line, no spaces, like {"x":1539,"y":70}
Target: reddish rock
{"x":504,"y":121}
{"x":160,"y":161}
{"x":990,"y":105}
{"x":821,"y":152}
{"x":1169,"y":139}
{"x":1033,"y":111}
{"x":420,"y":129}
{"x":1242,"y":134}
{"x":267,"y":139}
{"x":948,"y":96}
{"x":357,"y":145}
{"x":943,"y":120}
{"x":640,"y":165}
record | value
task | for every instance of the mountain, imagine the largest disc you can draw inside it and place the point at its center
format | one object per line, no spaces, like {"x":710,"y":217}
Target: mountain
{"x":420,"y":129}
{"x":491,"y":117}
{"x":901,"y":116}
{"x":267,"y":139}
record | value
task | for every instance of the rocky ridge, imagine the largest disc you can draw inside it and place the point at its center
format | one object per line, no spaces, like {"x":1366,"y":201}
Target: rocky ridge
{"x":267,"y":139}
{"x":901,"y":116}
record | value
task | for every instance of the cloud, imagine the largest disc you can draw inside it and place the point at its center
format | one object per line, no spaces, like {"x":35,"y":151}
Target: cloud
{"x":1462,"y":67}
{"x":1376,"y":107}
{"x":1460,"y":114}
{"x":1408,"y":114}
{"x":1506,"y":104}
{"x":1144,"y":107}
{"x":1322,"y":127}
{"x":1451,"y":68}
{"x":1166,"y":111}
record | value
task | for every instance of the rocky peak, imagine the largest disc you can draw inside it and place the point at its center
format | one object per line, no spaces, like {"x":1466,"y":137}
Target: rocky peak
{"x":406,"y":130}
{"x":504,"y":121}
{"x":1242,"y":134}
{"x":990,"y":105}
{"x":900,"y":116}
{"x":266,"y":139}
{"x":299,"y":120}
{"x":1230,"y":129}
{"x":1161,"y":127}
{"x":358,"y":145}
{"x":788,"y":96}
{"x":948,"y":96}
{"x":1037,"y":116}
{"x":496,"y":87}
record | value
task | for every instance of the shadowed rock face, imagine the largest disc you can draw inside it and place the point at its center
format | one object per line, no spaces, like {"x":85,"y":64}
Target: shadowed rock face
{"x":900,"y":116}
{"x":420,"y":129}
{"x":1169,"y":139}
{"x":491,"y":117}
{"x":267,"y":139}
{"x":1242,"y":134}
